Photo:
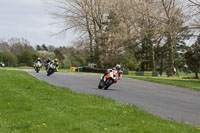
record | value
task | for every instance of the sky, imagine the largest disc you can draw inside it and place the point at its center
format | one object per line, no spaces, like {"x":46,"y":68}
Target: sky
{"x":31,"y":20}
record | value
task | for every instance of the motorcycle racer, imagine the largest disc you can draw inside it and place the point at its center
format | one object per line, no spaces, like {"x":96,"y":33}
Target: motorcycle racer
{"x":38,"y":60}
{"x":56,"y":64}
{"x":116,"y":70}
{"x":110,"y":77}
{"x":37,"y":65}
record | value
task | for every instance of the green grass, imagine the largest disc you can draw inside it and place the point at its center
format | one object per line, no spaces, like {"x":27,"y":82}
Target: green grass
{"x":182,"y":74}
{"x":176,"y":81}
{"x":20,"y":68}
{"x":28,"y":105}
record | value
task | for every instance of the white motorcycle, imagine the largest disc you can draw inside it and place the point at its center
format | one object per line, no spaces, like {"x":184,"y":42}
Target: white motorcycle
{"x":37,"y":67}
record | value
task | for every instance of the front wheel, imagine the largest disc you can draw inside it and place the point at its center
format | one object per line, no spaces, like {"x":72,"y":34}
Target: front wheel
{"x":49,"y":72}
{"x":101,"y":84}
{"x":37,"y":70}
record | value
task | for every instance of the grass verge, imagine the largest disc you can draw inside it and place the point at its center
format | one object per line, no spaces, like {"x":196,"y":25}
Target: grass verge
{"x":186,"y":83}
{"x":28,"y":105}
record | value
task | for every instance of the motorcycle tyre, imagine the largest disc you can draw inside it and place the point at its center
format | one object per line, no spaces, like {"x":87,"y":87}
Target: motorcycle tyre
{"x":50,"y":72}
{"x":37,"y":70}
{"x":100,"y":86}
{"x":109,"y":83}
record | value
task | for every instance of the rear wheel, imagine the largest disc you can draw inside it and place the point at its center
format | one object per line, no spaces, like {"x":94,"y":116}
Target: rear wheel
{"x":108,"y":84}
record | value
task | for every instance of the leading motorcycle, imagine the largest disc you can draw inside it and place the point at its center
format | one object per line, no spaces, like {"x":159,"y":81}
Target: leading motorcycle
{"x":109,"y":79}
{"x":37,"y":67}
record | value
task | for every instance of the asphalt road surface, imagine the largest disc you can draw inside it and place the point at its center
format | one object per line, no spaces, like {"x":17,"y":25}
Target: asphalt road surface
{"x":169,"y":102}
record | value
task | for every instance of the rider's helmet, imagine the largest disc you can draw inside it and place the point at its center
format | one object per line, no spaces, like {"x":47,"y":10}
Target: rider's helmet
{"x":38,"y":59}
{"x":118,"y":67}
{"x":56,"y":60}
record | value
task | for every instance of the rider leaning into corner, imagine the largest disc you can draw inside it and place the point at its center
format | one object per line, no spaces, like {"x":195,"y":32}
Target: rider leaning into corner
{"x":56,"y":64}
{"x":116,"y":69}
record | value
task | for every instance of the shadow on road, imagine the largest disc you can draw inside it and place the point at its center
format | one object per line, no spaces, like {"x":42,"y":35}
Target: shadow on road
{"x":108,"y":89}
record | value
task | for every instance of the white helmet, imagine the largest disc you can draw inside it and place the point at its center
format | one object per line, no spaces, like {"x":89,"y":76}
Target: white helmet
{"x":118,"y":67}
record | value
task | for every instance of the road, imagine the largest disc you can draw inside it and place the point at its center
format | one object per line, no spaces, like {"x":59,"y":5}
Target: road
{"x":169,"y":102}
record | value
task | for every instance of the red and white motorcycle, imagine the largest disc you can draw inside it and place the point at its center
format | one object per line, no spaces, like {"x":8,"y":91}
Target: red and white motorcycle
{"x":109,"y":79}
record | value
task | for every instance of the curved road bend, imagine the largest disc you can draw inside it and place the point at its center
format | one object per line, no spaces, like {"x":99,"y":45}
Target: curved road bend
{"x":169,"y":102}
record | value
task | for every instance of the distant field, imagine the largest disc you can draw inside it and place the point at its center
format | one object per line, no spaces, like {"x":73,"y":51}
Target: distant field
{"x":32,"y":106}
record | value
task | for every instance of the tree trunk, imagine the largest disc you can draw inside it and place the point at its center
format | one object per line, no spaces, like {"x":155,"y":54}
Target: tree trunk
{"x":152,"y":56}
{"x":91,"y":39}
{"x":161,"y":63}
{"x":96,"y":39}
{"x":171,"y":56}
{"x":196,"y":75}
{"x":96,"y":47}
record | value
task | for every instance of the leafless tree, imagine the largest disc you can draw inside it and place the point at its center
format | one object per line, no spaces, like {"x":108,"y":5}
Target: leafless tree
{"x":195,"y":6}
{"x":83,"y":15}
{"x":173,"y":20}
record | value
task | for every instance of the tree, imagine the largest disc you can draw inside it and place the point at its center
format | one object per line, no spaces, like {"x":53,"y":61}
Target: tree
{"x":4,"y":46}
{"x":38,"y":48}
{"x":75,"y":14}
{"x":1,"y":58}
{"x":9,"y":59}
{"x":77,"y":60}
{"x":196,"y":13}
{"x":110,"y":29}
{"x":44,"y":47}
{"x":19,"y":44}
{"x":59,"y":54}
{"x":51,"y":48}
{"x":47,"y":55}
{"x":129,"y":61}
{"x":25,"y":58}
{"x":193,"y":57}
{"x":173,"y":23}
{"x":66,"y":63}
{"x":35,"y":55}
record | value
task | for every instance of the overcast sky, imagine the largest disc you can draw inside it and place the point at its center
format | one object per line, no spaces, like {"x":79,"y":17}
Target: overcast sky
{"x":29,"y":19}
